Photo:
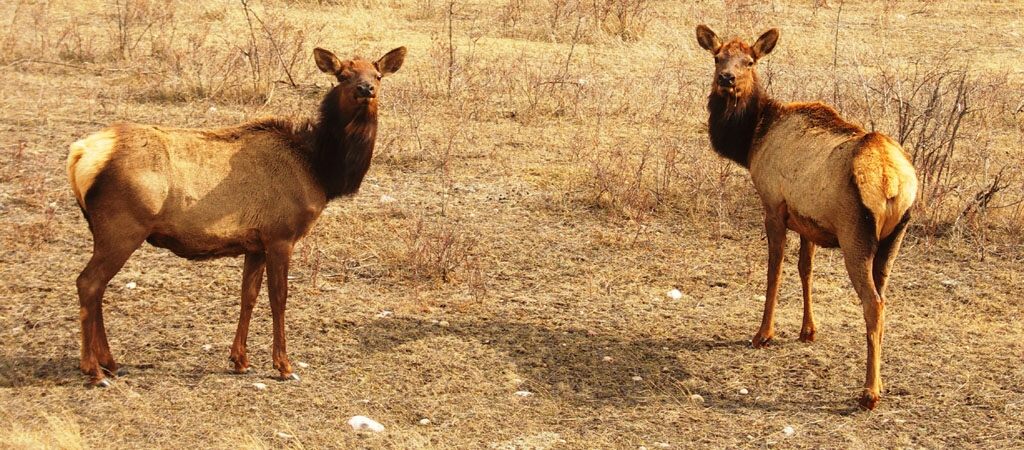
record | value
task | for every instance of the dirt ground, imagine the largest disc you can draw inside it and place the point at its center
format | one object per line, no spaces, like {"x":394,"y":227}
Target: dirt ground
{"x":502,"y":280}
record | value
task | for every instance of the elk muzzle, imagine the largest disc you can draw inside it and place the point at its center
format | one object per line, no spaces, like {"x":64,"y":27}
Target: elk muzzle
{"x":726,"y":80}
{"x":365,"y":90}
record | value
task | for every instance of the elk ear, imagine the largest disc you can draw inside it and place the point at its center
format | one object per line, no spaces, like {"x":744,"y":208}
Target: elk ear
{"x":766,"y":43}
{"x":391,"y":62}
{"x":707,"y":39}
{"x":326,"y":61}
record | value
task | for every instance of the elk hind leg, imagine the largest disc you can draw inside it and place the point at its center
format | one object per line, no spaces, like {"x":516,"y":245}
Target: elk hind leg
{"x":888,"y":248}
{"x":109,"y":255}
{"x":252,"y":280}
{"x":859,"y":255}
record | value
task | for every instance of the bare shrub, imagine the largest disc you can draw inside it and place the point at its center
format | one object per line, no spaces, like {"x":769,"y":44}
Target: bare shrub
{"x":626,"y":19}
{"x":432,"y":249}
{"x":132,"y":21}
{"x":273,"y":48}
{"x":73,"y":45}
{"x":212,"y":60}
{"x":558,"y":20}
{"x":28,"y":33}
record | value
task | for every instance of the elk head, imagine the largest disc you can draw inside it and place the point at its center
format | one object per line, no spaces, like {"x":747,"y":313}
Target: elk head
{"x":360,"y":77}
{"x":734,"y":61}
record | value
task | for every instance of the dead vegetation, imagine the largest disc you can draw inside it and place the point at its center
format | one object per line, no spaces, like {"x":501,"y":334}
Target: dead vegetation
{"x":542,"y":180}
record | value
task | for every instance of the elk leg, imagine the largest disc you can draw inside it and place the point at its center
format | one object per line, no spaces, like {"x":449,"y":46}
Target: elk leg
{"x":252,"y":280}
{"x":874,"y":317}
{"x":806,"y":265}
{"x":775,"y":228}
{"x":108,"y":256}
{"x":278,"y":258}
{"x":860,"y":256}
{"x":887,"y":250}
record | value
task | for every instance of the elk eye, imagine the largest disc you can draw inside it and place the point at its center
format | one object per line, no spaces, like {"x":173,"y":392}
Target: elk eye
{"x":750,"y":63}
{"x":379,"y":77}
{"x":718,"y":60}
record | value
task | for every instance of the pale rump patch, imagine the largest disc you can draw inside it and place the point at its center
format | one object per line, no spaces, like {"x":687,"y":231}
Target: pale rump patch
{"x":86,"y":159}
{"x":887,"y":182}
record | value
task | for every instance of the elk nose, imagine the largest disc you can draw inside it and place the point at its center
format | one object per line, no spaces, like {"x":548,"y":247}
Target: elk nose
{"x":364,"y":90}
{"x":726,"y":79}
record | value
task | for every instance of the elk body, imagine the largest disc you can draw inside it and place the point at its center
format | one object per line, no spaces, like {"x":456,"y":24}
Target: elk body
{"x":827,"y":179}
{"x":252,"y":190}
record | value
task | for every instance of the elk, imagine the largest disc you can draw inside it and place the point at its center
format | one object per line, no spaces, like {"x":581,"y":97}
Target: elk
{"x":816,"y":174}
{"x":253,"y":189}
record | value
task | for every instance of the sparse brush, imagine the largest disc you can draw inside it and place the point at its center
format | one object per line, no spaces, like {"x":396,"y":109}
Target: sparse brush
{"x":432,"y":249}
{"x":560,"y":20}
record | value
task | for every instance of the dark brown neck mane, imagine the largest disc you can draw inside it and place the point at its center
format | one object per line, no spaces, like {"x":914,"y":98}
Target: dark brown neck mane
{"x":733,"y":122}
{"x":343,"y":143}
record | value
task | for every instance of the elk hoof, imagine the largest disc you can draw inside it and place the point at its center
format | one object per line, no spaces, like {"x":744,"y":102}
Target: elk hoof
{"x":290,"y":377}
{"x":101,"y":383}
{"x":868,"y":400}
{"x":760,"y":342}
{"x":807,"y":336}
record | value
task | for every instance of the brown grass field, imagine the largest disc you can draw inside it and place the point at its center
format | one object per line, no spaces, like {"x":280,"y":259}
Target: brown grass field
{"x":542,"y":180}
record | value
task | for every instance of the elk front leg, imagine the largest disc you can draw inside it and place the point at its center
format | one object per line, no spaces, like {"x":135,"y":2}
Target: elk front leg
{"x":252,"y":280}
{"x":278,"y":258}
{"x":775,"y":227}
{"x":806,"y":266}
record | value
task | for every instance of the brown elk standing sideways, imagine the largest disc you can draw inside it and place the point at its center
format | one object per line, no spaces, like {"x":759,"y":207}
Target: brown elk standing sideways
{"x":825,"y":178}
{"x":254,"y":189}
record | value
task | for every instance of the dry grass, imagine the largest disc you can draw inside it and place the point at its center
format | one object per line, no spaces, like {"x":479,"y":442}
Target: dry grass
{"x":543,"y":178}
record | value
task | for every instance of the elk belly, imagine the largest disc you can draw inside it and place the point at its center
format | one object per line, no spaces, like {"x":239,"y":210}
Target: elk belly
{"x":811,"y":230}
{"x":199,"y":247}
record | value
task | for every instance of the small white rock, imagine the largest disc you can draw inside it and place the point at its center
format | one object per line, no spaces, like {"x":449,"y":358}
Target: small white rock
{"x":524,"y":393}
{"x":696,"y":398}
{"x":608,"y":359}
{"x":259,"y":386}
{"x":361,"y":423}
{"x":207,"y":347}
{"x":788,"y":431}
{"x":744,"y":391}
{"x":302,"y":365}
{"x":387,"y":199}
{"x":637,"y":378}
{"x":130,"y":285}
{"x":662,"y":444}
{"x":384,"y":314}
{"x":424,"y":421}
{"x":675,"y":294}
{"x":283,"y":435}
{"x":443,"y":324}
